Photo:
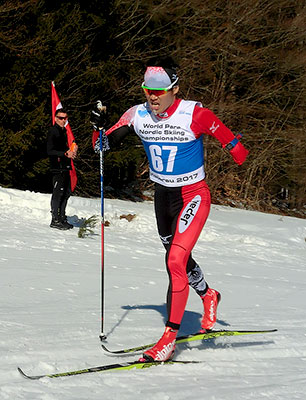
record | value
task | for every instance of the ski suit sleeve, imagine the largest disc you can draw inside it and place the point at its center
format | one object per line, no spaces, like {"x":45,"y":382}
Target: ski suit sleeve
{"x":205,"y":121}
{"x":120,"y":130}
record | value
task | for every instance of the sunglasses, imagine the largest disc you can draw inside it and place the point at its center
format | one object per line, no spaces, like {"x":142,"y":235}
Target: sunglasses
{"x":61,"y":118}
{"x":156,"y":92}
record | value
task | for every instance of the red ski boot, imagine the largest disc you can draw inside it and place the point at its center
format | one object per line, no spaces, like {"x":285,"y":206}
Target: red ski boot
{"x":164,"y":349}
{"x":210,"y":300}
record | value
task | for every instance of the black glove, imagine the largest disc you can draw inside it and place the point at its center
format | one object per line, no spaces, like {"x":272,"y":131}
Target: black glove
{"x":98,"y":116}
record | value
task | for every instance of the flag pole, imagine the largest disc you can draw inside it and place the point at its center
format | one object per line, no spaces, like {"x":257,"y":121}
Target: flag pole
{"x":102,"y":335}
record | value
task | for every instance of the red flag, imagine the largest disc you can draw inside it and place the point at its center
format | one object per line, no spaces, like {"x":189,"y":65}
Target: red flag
{"x":56,"y":104}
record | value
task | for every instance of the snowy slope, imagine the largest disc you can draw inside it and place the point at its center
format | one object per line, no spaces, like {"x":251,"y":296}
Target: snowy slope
{"x":50,"y":303}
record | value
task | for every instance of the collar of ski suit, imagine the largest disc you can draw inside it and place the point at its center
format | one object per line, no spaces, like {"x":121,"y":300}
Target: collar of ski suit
{"x":170,"y":110}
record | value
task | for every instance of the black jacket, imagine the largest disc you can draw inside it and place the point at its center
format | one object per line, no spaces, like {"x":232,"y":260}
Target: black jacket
{"x":57,"y":146}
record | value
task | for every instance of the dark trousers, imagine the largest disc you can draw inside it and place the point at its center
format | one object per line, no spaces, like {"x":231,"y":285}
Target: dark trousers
{"x":60,"y":195}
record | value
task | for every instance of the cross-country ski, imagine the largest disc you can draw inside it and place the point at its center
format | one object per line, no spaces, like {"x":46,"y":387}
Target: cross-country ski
{"x":126,"y":366}
{"x":191,"y":338}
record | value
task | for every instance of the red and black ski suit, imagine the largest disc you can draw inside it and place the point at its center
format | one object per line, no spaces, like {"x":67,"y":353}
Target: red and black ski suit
{"x":174,"y":145}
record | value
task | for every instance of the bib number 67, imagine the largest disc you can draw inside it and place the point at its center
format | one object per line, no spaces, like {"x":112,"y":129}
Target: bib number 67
{"x":162,"y":155}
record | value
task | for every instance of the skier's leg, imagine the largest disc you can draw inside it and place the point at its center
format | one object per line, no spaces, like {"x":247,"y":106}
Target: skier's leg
{"x":186,"y":227}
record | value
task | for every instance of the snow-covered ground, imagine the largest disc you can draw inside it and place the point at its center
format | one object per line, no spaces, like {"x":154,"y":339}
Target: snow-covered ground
{"x":50,"y":304}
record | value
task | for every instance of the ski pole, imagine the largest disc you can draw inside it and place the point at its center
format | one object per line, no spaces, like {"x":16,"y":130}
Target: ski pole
{"x":102,"y":335}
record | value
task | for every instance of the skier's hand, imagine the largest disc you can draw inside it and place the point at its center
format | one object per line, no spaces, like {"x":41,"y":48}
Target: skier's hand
{"x":98,"y":116}
{"x":237,"y":150}
{"x":239,"y":153}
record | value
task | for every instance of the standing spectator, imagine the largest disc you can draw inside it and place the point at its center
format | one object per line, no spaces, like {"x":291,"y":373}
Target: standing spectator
{"x":60,"y":162}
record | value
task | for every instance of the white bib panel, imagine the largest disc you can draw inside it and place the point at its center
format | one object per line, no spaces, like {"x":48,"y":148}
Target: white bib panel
{"x":175,"y":155}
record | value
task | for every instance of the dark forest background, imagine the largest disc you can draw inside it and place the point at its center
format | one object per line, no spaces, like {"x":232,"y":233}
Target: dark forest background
{"x":245,"y":60}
